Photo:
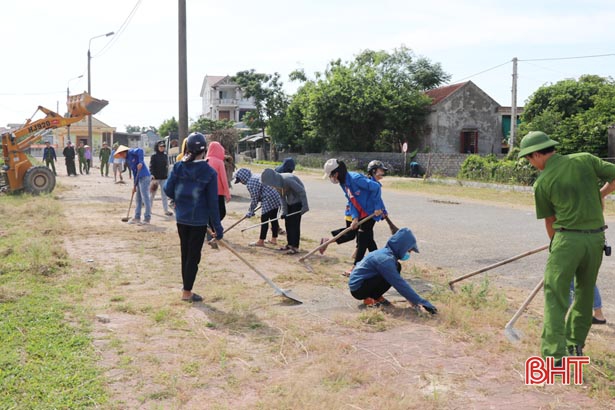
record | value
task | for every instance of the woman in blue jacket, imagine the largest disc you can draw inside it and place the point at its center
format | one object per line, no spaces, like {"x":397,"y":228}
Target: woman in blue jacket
{"x":364,"y":197}
{"x":380,"y":270}
{"x":193,"y":185}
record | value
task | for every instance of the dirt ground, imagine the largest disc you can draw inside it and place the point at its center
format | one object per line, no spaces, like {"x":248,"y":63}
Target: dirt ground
{"x":246,"y":348}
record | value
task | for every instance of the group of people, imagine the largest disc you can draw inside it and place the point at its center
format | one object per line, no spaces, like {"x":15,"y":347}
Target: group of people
{"x":566,"y":198}
{"x":571,"y":205}
{"x":198,"y":186}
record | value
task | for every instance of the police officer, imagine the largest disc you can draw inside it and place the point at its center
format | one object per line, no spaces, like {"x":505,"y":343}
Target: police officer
{"x":569,"y":199}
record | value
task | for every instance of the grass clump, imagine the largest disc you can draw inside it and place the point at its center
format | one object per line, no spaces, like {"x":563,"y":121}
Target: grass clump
{"x":45,"y":360}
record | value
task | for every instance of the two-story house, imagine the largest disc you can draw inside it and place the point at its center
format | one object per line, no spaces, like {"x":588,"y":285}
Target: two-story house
{"x":223,"y":99}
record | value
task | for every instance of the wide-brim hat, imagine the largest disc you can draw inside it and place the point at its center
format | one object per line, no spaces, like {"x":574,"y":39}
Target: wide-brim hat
{"x":535,"y":141}
{"x":120,"y":149}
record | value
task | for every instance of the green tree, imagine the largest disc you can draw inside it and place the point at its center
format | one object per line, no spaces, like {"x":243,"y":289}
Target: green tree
{"x":208,"y":126}
{"x":376,"y":101}
{"x":269,"y":99}
{"x":577,"y":113}
{"x":168,"y":127}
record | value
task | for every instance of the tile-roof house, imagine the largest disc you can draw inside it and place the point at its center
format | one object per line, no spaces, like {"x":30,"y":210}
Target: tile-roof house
{"x":79,"y":133}
{"x":223,"y":100}
{"x":463,"y":119}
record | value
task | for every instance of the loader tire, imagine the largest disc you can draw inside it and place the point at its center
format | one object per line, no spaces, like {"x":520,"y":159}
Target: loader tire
{"x":39,"y":180}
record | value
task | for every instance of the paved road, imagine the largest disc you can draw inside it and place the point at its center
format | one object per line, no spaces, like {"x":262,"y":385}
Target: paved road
{"x":456,"y":234}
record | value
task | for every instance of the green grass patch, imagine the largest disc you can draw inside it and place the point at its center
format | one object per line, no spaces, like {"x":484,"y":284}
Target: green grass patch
{"x":46,"y":361}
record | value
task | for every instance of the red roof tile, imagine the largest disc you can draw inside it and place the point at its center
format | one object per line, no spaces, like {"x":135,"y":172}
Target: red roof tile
{"x":438,"y":94}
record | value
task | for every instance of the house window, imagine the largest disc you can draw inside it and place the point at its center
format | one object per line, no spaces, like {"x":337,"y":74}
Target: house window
{"x":469,"y":141}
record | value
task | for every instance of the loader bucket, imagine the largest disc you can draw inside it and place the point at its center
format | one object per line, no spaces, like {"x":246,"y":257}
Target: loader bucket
{"x":84,"y":104}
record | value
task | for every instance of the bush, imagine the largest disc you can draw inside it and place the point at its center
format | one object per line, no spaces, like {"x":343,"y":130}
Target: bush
{"x":490,"y":169}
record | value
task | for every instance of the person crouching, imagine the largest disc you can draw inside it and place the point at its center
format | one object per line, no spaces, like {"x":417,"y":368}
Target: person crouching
{"x":379,"y":270}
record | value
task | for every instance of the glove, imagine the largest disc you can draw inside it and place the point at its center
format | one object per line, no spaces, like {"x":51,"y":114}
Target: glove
{"x":219,"y":234}
{"x":430,"y":308}
{"x":249,"y":215}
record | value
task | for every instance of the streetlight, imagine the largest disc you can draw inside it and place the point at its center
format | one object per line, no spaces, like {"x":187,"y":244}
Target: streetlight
{"x":67,"y":95}
{"x":89,"y":83}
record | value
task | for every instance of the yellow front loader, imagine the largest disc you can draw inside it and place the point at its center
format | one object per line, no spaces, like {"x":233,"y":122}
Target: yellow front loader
{"x":18,"y":173}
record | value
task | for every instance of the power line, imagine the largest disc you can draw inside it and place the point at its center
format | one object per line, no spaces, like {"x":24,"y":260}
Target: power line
{"x":120,"y":30}
{"x":482,"y":72}
{"x":567,"y":58}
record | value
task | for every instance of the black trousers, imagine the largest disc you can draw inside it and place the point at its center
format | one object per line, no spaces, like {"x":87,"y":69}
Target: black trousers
{"x":347,"y":237}
{"x":373,"y":287}
{"x":70,"y":167}
{"x":293,"y":226}
{"x":275,"y":226}
{"x":365,"y":240}
{"x":191,"y":240}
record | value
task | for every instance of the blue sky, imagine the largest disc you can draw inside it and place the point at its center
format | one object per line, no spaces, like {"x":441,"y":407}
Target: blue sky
{"x":45,"y":46}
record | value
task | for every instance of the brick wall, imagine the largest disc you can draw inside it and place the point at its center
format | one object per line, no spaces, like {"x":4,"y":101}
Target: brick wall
{"x":439,"y":164}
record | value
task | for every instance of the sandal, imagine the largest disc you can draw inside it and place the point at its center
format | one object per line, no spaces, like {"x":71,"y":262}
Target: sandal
{"x":193,"y":298}
{"x":284,"y":248}
{"x":262,"y":245}
{"x":291,"y":251}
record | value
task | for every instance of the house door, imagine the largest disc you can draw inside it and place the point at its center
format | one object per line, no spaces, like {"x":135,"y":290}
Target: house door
{"x":469,"y":141}
{"x":224,"y":115}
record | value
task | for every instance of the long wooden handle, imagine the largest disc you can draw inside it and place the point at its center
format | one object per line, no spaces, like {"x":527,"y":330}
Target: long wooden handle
{"x":258,"y":272}
{"x":336,"y":237}
{"x":495,"y":265}
{"x":512,"y":321}
{"x":237,"y":223}
{"x":392,"y":226}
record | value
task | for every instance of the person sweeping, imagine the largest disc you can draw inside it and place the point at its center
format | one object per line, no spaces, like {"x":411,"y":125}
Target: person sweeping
{"x":270,"y":201}
{"x":569,"y":199}
{"x":364,"y":197}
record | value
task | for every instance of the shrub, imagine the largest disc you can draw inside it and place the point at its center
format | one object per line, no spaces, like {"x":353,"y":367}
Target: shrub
{"x":490,"y":169}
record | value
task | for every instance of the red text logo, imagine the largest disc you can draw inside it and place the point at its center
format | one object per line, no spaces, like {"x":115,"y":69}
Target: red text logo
{"x":539,"y":370}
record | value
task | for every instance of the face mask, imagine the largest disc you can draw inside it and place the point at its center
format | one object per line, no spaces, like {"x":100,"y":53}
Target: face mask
{"x":406,"y":256}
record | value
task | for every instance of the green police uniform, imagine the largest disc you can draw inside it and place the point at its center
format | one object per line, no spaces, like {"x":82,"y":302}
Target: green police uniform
{"x":103,"y":155}
{"x":81,"y":157}
{"x":568,"y":189}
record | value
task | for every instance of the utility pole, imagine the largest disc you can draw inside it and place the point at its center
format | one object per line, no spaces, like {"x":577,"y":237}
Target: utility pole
{"x":183,"y":73}
{"x":513,"y":107}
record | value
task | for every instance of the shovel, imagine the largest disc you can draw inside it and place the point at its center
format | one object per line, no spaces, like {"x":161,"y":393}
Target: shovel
{"x":495,"y":265}
{"x":510,"y":332}
{"x":286,"y":293}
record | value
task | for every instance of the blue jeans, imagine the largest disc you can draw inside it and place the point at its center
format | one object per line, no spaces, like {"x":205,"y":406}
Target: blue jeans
{"x":165,"y":201}
{"x":597,"y":298}
{"x":142,"y":195}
